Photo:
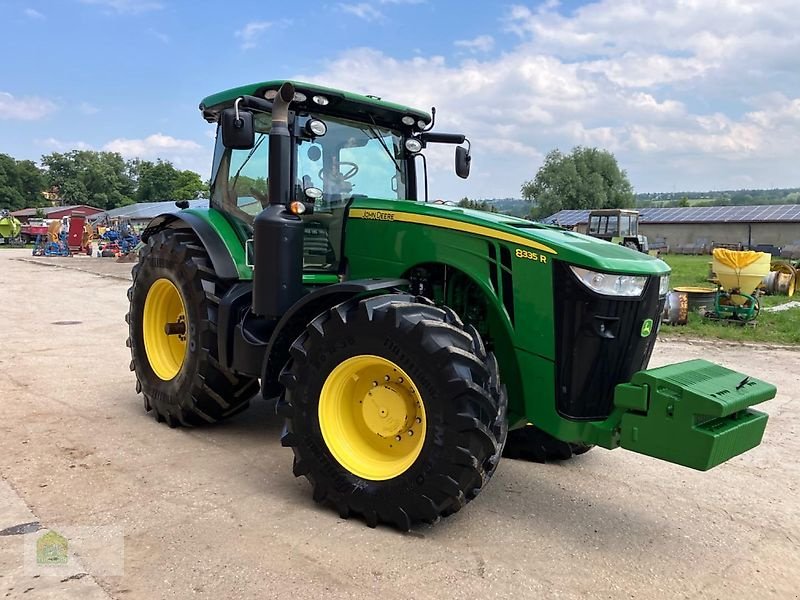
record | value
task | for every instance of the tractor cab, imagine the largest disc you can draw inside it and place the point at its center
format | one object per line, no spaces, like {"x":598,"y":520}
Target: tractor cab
{"x":339,"y":147}
{"x":619,"y":226}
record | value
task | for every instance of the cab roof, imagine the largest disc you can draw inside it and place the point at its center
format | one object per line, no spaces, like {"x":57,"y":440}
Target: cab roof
{"x":340,"y":103}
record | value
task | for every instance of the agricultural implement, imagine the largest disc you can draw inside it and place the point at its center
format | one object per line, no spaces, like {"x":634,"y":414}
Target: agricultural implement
{"x":54,"y":243}
{"x":402,"y":339}
{"x":118,"y":240}
{"x":10,"y":229}
{"x":739,"y":274}
{"x":32,"y":230}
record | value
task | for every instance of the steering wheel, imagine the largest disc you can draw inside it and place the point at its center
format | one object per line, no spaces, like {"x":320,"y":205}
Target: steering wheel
{"x":349,"y":174}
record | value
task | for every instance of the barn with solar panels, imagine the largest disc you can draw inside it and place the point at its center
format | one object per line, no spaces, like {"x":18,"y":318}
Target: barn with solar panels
{"x":772,"y":226}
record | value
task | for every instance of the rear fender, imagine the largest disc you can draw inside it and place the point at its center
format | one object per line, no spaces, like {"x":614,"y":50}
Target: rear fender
{"x":223,"y":244}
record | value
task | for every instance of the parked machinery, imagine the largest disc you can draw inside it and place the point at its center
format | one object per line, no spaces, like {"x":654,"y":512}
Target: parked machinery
{"x":118,"y":239}
{"x":54,"y":243}
{"x":33,"y":229}
{"x":10,"y":229}
{"x":619,"y":226}
{"x":739,"y":273}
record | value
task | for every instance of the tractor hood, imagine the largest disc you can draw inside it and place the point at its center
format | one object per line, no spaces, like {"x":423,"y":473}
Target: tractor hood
{"x":557,"y":243}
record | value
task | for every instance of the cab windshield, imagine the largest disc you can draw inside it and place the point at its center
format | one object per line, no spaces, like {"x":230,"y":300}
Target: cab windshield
{"x":351,"y":159}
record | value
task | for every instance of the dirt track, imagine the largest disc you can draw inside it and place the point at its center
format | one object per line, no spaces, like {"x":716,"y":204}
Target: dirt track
{"x":216,"y":513}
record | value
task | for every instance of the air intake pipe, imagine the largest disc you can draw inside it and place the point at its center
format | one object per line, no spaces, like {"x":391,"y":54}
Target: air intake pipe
{"x":277,"y":233}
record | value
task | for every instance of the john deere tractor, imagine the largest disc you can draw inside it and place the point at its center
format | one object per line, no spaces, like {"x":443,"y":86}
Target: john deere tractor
{"x":402,"y":339}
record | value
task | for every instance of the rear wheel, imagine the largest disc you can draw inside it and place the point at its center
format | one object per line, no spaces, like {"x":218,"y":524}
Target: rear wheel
{"x":394,"y":410}
{"x":173,"y":334}
{"x":533,"y":444}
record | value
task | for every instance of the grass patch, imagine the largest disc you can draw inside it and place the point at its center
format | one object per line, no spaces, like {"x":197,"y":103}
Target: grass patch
{"x":772,"y":328}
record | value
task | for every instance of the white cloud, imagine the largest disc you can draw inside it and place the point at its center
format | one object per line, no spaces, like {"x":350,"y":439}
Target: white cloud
{"x":362,"y":10}
{"x":32,"y":13}
{"x":152,"y":146}
{"x":160,"y":36}
{"x":368,"y":10}
{"x":252,"y":32}
{"x":88,"y":109}
{"x":184,"y":154}
{"x":668,"y":88}
{"x":29,"y":108}
{"x":482,"y":43}
{"x":55,"y":145}
{"x":132,"y":7}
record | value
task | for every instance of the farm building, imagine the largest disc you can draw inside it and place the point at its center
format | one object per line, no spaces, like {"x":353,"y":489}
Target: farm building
{"x":55,"y":212}
{"x":140,"y":214}
{"x":749,"y":226}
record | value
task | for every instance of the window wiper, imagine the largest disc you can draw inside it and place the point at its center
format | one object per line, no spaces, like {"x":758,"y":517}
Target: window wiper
{"x":374,"y":131}
{"x":261,"y":138}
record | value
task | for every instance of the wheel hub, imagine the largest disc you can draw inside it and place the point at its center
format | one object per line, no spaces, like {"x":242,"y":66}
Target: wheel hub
{"x":371,"y":417}
{"x":164,"y":329}
{"x":386,"y":411}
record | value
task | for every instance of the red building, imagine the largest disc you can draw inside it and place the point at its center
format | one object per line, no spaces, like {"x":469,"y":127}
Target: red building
{"x":55,"y":212}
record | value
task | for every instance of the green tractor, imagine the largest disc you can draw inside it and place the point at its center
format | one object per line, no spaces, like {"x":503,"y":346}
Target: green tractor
{"x":403,"y":339}
{"x":619,"y":226}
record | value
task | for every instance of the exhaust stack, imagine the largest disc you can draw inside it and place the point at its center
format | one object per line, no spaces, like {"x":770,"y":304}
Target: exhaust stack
{"x":277,"y":233}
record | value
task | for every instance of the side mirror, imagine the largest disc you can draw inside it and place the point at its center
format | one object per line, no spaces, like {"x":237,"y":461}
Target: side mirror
{"x":238,"y":132}
{"x":463,"y":161}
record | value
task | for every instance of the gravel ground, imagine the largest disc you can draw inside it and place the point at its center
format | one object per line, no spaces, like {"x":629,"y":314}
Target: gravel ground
{"x":216,"y":513}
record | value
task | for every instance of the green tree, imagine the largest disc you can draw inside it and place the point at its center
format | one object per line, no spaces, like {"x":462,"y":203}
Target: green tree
{"x":586,"y":178}
{"x":477,"y":205}
{"x":162,"y":181}
{"x":10,"y":195}
{"x":100,"y":179}
{"x":189,"y":186}
{"x":21,"y":184}
{"x":156,"y":181}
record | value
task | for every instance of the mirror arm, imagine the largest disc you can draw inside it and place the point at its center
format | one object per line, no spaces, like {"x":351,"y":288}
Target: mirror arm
{"x":254,"y":103}
{"x":442,"y":138}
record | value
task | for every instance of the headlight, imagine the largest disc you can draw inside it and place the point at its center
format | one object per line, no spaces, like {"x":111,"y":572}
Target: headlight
{"x":611,"y":284}
{"x":316,"y":128}
{"x":663,"y":285}
{"x":413,"y":145}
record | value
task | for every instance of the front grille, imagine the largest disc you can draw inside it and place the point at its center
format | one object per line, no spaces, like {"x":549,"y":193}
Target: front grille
{"x":598,"y":343}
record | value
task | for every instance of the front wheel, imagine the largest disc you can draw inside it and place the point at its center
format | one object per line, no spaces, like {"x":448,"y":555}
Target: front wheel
{"x":394,"y":410}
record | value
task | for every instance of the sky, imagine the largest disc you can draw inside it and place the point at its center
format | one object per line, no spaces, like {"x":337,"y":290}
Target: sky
{"x":689,"y":95}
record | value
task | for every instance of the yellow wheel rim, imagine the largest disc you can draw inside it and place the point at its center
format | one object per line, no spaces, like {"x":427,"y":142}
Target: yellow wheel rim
{"x":164,"y":325}
{"x":372,"y":417}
